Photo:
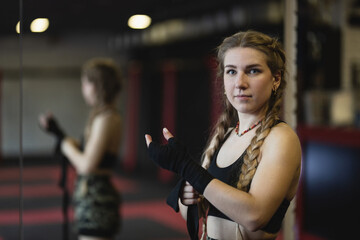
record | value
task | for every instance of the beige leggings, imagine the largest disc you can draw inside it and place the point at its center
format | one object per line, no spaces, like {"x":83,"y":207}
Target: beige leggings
{"x":238,"y":235}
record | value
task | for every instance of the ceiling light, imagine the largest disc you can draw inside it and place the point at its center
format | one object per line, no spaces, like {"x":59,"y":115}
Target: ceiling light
{"x":39,"y":25}
{"x":139,"y":21}
{"x":17,"y":28}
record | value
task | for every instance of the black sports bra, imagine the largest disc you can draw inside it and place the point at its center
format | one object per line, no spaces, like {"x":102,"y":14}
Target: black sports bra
{"x":229,"y":175}
{"x":108,"y":161}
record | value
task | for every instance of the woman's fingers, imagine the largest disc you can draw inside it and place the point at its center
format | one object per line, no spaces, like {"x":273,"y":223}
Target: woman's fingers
{"x":189,"y":189}
{"x":148,"y":139}
{"x":167,"y":134}
{"x":190,"y":198}
{"x":188,"y":202}
{"x":189,"y":195}
{"x":43,"y":121}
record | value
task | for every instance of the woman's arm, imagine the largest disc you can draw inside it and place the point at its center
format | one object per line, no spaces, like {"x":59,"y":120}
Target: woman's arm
{"x":275,"y":179}
{"x":87,"y":161}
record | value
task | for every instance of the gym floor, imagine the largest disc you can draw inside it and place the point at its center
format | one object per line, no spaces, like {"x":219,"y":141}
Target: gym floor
{"x":145,"y":214}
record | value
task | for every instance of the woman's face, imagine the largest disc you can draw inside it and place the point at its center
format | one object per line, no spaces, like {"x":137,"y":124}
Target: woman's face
{"x":248,"y":80}
{"x":88,"y":91}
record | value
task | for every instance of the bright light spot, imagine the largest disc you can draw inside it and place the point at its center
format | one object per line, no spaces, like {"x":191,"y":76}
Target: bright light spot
{"x":139,"y":21}
{"x":39,"y":25}
{"x":18,"y":27}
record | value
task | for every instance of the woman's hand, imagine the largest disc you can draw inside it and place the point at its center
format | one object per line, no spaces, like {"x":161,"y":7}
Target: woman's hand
{"x":48,"y":123}
{"x":170,"y":156}
{"x":174,"y":157}
{"x":166,"y":133}
{"x":44,"y":120}
{"x":189,"y":195}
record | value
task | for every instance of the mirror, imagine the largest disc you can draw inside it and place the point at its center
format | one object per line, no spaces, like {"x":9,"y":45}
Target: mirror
{"x":9,"y":130}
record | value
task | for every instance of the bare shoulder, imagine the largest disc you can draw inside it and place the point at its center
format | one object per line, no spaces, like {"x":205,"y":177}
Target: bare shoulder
{"x":108,"y":120}
{"x":282,"y":141}
{"x":283,"y":130}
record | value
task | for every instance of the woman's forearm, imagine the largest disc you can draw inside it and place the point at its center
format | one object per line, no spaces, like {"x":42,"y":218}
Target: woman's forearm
{"x":73,"y":154}
{"x":238,"y":205}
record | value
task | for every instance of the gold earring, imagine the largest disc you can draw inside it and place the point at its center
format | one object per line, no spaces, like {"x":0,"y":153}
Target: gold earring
{"x":274,"y":90}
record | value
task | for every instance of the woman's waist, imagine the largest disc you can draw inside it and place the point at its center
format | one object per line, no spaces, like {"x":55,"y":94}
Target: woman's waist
{"x":103,"y":172}
{"x":220,"y":228}
{"x":97,"y":181}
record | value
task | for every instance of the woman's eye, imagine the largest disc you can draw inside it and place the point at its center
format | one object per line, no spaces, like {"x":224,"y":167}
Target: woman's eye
{"x":254,"y":71}
{"x":230,"y":71}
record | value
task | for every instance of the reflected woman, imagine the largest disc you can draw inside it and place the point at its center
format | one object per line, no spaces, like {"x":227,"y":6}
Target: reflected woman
{"x":96,"y":201}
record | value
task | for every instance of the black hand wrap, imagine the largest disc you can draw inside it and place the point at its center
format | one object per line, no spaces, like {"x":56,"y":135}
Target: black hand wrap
{"x":54,"y":129}
{"x":174,"y":157}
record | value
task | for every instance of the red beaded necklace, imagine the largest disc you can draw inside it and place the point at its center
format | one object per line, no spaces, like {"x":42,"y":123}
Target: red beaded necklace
{"x":252,"y":127}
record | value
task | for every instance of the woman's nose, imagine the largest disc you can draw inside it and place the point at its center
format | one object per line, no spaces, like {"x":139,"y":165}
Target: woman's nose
{"x":241,"y":81}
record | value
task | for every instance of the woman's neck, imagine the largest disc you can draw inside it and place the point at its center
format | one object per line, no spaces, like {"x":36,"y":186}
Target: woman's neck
{"x":247,"y":121}
{"x":103,"y":107}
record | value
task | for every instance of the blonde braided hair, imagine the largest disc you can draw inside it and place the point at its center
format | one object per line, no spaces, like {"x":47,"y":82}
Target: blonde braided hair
{"x":222,"y":126}
{"x":276,"y":62}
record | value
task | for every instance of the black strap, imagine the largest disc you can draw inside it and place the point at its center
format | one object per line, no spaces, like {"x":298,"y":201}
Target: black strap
{"x":172,"y":199}
{"x":63,"y":185}
{"x":192,"y":221}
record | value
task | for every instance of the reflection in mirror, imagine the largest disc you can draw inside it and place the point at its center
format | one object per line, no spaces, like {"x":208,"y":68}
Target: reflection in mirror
{"x":52,"y":73}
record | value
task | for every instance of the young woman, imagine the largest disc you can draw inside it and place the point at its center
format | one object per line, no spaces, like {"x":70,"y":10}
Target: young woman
{"x":96,"y":201}
{"x":253,"y":159}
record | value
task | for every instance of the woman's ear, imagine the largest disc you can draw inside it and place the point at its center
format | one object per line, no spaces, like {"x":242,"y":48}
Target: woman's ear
{"x":276,"y":81}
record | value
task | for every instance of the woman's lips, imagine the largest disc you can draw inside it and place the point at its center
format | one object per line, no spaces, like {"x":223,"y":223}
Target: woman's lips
{"x":243,"y":96}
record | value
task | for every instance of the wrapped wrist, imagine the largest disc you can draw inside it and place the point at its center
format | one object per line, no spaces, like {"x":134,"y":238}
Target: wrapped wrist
{"x":55,"y":129}
{"x":175,"y":157}
{"x":198,"y":177}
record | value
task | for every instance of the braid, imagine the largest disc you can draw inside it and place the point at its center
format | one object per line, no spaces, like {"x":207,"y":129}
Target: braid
{"x":221,"y":127}
{"x":276,"y":62}
{"x":251,"y":160}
